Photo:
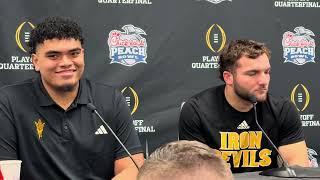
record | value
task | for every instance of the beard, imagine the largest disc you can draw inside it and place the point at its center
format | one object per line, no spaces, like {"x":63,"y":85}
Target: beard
{"x":246,"y":94}
{"x":60,"y":88}
{"x":66,"y":88}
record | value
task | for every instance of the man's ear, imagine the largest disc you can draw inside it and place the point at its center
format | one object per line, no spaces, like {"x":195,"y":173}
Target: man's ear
{"x":35,"y":60}
{"x":228,"y":77}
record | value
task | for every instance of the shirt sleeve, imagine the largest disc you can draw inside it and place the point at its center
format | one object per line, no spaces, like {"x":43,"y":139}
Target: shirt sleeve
{"x":291,"y":128}
{"x":8,"y":139}
{"x":190,"y":127}
{"x":124,"y":128}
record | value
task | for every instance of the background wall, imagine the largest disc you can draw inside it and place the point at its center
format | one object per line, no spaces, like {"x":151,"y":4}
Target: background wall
{"x":160,"y":52}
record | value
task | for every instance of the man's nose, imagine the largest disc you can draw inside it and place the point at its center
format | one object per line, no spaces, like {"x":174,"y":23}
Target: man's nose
{"x":264,"y":79}
{"x":66,"y":61}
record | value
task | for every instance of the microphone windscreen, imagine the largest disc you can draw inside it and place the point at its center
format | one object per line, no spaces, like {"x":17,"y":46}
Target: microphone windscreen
{"x":252,"y":98}
{"x":91,"y":107}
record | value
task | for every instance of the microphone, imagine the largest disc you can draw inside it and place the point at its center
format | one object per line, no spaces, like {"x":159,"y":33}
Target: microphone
{"x":94,"y":109}
{"x":284,"y":171}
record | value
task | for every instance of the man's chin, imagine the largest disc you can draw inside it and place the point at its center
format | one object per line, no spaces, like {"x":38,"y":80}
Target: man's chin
{"x":261,"y":98}
{"x":66,"y":87}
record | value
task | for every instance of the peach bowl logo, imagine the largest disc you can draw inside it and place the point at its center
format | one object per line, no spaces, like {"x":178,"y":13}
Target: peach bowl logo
{"x":127,"y":47}
{"x":298,"y":47}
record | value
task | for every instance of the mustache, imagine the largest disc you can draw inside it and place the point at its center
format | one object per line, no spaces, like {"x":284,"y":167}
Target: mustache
{"x":263,"y":87}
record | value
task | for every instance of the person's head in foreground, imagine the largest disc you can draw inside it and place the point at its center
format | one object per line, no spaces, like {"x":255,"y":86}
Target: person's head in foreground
{"x":185,"y":160}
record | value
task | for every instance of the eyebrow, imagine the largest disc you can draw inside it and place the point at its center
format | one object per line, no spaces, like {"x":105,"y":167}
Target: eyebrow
{"x":57,"y":52}
{"x":255,"y":70}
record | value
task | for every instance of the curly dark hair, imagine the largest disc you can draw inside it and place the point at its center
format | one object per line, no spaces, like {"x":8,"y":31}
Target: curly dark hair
{"x":54,"y":27}
{"x":237,"y":49}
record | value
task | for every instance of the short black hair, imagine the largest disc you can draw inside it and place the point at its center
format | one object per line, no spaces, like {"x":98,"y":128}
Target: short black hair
{"x":54,"y":28}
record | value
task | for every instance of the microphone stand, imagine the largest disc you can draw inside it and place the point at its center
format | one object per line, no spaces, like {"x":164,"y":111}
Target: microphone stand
{"x":94,"y":109}
{"x":284,"y":171}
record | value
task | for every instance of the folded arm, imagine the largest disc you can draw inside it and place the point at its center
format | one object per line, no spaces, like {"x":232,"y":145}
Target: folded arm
{"x":295,"y":154}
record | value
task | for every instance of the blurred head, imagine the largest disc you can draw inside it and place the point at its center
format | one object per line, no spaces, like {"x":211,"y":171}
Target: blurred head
{"x":185,"y":160}
{"x":57,"y":54}
{"x":245,"y":67}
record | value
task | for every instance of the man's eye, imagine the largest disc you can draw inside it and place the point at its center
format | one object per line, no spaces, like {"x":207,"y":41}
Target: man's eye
{"x":53,"y":56}
{"x":75,"y":53}
{"x":252,"y":73}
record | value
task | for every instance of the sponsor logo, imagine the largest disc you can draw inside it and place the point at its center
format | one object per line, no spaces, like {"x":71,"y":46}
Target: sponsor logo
{"x":132,"y":100}
{"x":18,"y":62}
{"x":297,"y":4}
{"x":300,"y":97}
{"x":23,"y":34}
{"x":39,"y":127}
{"x":243,"y":125}
{"x":216,"y":39}
{"x":211,"y":41}
{"x":298,"y":47}
{"x":101,"y":130}
{"x":181,"y":106}
{"x":126,"y":2}
{"x":142,"y":126}
{"x":127,"y":47}
{"x":216,"y":1}
{"x":313,"y":160}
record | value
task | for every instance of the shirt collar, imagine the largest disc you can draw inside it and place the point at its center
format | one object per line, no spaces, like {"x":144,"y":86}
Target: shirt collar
{"x":45,"y":100}
{"x":228,"y":108}
{"x":83,"y":94}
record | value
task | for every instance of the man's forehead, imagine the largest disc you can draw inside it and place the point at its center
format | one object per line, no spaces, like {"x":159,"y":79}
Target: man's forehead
{"x":261,"y":61}
{"x":60,"y":41}
{"x":59,"y":45}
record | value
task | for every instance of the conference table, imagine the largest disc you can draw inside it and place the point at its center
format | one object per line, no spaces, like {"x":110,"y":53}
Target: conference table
{"x":256,"y":176}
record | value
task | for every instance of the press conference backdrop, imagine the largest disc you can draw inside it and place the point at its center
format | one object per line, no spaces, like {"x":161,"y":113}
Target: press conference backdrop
{"x":161,"y":52}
